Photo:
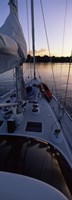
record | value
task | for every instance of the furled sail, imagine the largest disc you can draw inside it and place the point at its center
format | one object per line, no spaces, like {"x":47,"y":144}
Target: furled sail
{"x":13,"y":49}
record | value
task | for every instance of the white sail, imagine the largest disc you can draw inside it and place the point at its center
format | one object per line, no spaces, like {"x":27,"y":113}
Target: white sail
{"x":13,"y":49}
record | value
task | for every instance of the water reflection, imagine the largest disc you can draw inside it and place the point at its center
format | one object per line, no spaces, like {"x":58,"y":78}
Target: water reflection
{"x":56,"y":81}
{"x":44,"y":72}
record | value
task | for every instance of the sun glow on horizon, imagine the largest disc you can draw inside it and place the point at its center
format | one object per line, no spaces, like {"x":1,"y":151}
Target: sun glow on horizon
{"x":43,"y":52}
{"x":54,"y":12}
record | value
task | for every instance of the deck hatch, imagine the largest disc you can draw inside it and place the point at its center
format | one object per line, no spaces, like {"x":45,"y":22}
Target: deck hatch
{"x":34,"y":127}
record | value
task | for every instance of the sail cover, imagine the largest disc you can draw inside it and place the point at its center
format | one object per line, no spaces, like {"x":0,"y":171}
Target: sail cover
{"x":13,"y":49}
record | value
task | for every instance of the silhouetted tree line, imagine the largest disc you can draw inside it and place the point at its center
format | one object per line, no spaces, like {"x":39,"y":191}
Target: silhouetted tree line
{"x":46,"y":59}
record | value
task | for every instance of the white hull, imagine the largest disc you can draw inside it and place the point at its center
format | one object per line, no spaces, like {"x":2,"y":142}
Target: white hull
{"x":40,"y":120}
{"x":35,"y":130}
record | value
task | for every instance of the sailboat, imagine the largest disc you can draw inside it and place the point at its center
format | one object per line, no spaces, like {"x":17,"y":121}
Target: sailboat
{"x":35,"y":129}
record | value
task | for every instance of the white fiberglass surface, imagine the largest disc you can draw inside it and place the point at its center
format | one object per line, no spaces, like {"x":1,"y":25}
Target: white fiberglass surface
{"x":21,"y":187}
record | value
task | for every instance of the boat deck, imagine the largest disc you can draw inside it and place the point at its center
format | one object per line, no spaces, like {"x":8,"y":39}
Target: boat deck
{"x":37,"y":123}
{"x":41,"y":124}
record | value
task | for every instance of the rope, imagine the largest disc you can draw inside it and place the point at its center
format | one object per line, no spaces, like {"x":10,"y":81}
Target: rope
{"x":28,"y":34}
{"x":63,"y":40}
{"x":65,"y":98}
{"x":48,"y":45}
{"x":45,"y":29}
{"x":64,"y":26}
{"x":28,"y":24}
{"x":33,"y":35}
{"x":39,"y":75}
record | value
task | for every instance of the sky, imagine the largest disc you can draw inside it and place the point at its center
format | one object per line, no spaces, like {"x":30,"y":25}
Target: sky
{"x":54,"y":13}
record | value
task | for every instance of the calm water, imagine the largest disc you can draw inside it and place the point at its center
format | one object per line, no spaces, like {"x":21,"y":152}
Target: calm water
{"x":54,"y":76}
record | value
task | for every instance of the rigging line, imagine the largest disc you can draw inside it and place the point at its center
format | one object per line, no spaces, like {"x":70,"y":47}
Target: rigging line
{"x":64,"y":26}
{"x":54,"y":79}
{"x":48,"y":45}
{"x":65,"y":98}
{"x":33,"y":35}
{"x":14,"y":78}
{"x":28,"y":23}
{"x":38,"y":74}
{"x":45,"y":29}
{"x":63,"y":38}
{"x":28,"y":32}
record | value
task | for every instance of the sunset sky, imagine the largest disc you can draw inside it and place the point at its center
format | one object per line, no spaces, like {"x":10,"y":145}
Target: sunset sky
{"x":54,"y":12}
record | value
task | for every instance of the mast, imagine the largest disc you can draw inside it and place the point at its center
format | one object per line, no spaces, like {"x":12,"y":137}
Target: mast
{"x":33,"y":36}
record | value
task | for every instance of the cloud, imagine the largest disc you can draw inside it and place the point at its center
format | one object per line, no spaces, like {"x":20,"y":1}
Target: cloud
{"x":40,"y":52}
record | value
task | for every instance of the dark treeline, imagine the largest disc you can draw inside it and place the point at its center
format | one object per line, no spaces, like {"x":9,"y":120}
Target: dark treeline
{"x":46,"y":59}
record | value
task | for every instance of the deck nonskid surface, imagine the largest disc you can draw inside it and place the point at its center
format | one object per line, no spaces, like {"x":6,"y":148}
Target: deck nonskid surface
{"x":45,"y":121}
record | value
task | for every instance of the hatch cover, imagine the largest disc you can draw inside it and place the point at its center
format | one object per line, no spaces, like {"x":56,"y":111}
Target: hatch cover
{"x":34,"y":127}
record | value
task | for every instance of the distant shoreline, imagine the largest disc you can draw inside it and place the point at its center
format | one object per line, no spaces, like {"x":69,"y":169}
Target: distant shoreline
{"x":47,"y":59}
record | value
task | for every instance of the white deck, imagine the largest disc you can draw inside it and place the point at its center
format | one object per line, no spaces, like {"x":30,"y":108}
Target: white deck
{"x":49,"y":119}
{"x":20,"y":187}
